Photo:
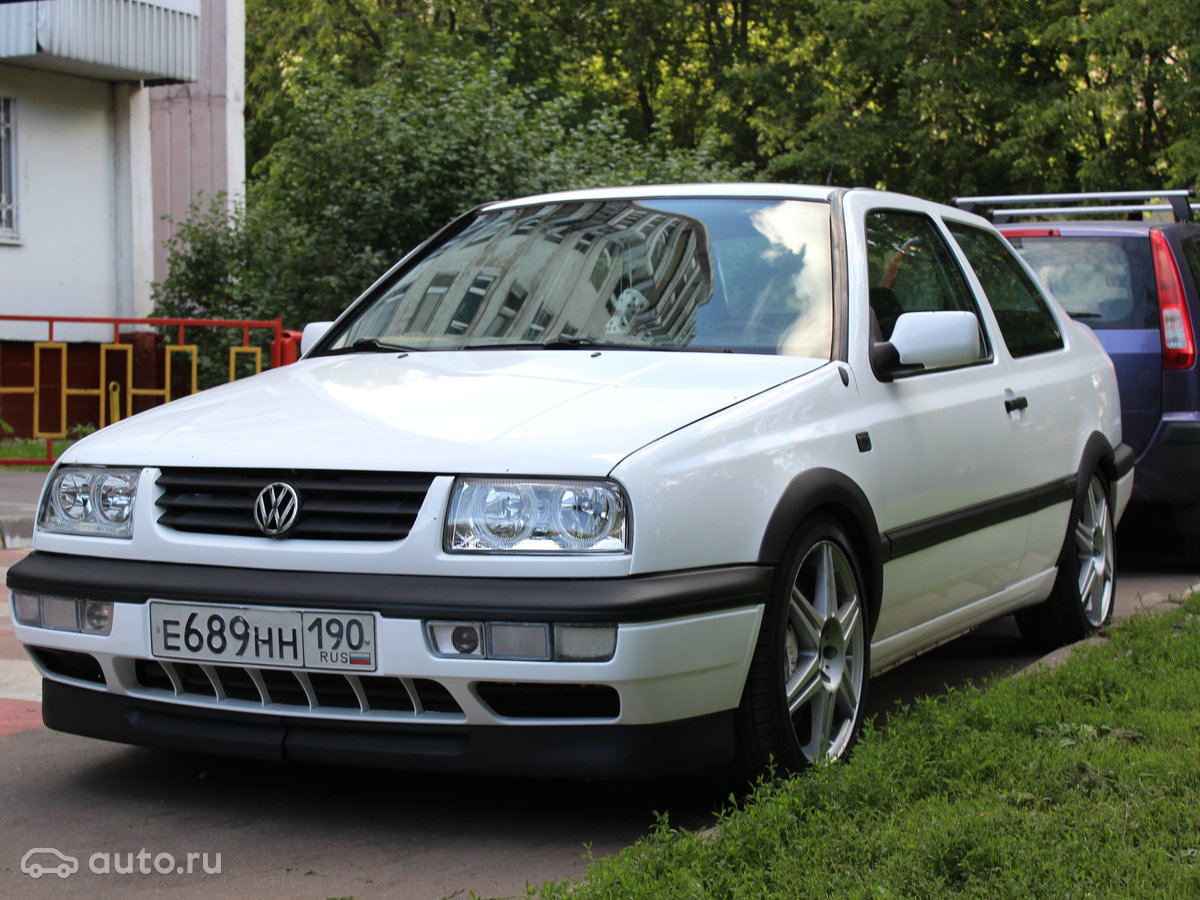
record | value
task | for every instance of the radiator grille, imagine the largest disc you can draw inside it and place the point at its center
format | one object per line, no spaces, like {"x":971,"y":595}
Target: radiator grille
{"x":334,"y":506}
{"x":285,"y":691}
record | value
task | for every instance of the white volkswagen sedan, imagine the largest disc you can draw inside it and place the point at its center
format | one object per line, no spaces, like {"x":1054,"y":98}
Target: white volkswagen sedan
{"x":601,"y":483}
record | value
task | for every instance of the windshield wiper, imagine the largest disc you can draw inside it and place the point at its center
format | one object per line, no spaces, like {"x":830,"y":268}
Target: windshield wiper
{"x":1083,"y":315}
{"x":564,"y":342}
{"x":372,"y":345}
{"x":586,"y":343}
{"x":558,"y":343}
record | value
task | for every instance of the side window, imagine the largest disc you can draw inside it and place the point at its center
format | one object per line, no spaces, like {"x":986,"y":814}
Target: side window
{"x":8,"y":171}
{"x":911,"y":269}
{"x":1025,"y":320}
{"x":1191,"y":255}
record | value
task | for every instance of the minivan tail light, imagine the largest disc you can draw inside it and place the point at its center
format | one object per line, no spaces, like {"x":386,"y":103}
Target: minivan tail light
{"x":1179,"y":346}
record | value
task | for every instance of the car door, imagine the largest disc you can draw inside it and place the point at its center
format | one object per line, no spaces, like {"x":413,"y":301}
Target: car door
{"x":1052,"y":395}
{"x":953,"y":539}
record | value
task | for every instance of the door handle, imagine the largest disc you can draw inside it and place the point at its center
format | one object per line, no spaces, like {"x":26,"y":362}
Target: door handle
{"x":1016,"y":404}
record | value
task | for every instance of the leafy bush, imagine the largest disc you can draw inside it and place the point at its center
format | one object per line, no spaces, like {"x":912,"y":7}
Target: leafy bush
{"x":365,"y":173}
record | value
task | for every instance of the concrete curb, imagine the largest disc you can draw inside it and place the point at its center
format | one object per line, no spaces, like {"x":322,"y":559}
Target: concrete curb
{"x":1158,"y":605}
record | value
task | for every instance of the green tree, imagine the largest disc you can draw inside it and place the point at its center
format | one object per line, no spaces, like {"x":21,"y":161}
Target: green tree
{"x":1134,"y":67}
{"x":366,"y":173}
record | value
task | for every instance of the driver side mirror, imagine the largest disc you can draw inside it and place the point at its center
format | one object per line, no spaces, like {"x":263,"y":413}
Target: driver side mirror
{"x":927,"y":340}
{"x":313,"y":332}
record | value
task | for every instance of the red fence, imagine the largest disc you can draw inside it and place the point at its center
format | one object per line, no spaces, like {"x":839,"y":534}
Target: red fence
{"x":48,"y":386}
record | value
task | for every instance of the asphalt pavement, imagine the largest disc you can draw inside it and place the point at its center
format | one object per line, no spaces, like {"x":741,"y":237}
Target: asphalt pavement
{"x":19,"y":492}
{"x":288,"y":831}
{"x":20,"y":685}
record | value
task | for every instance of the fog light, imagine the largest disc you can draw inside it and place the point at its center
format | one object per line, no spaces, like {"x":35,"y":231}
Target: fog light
{"x":465,"y":639}
{"x":518,"y":640}
{"x":95,"y":617}
{"x":60,"y":613}
{"x":456,"y":638}
{"x":584,"y":643}
{"x":26,"y":608}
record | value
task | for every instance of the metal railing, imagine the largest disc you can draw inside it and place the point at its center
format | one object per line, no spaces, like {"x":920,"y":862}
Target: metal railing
{"x":113,"y":388}
{"x":1083,"y":204}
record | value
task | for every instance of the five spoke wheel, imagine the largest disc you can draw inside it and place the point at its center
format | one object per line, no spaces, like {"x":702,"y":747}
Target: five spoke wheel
{"x":805,"y":696}
{"x":823,"y":652}
{"x":1095,"y":549}
{"x":1081,"y":600}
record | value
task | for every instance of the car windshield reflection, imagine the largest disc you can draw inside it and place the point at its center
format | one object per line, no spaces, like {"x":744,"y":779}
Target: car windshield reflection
{"x":727,"y":275}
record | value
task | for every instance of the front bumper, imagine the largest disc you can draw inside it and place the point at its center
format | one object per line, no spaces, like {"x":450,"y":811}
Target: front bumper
{"x":684,"y":642}
{"x":620,"y":751}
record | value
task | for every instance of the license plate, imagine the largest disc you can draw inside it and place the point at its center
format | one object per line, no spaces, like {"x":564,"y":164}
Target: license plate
{"x":297,"y":639}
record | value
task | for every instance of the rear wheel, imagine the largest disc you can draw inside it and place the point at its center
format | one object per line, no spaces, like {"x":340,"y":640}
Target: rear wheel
{"x":1191,"y":550}
{"x":805,"y":693}
{"x":1082,"y":599}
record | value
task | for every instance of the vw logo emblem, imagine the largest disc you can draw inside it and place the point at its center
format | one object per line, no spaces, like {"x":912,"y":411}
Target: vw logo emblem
{"x":276,"y":509}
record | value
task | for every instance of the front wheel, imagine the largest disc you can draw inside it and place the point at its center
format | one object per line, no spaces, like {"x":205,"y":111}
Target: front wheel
{"x":805,"y":694}
{"x":1082,"y":598}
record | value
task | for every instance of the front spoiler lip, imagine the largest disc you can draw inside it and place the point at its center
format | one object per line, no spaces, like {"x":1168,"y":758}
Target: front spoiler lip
{"x":638,"y":598}
{"x":556,"y":751}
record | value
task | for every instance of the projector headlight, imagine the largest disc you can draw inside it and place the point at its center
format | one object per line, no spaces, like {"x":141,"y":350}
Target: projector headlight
{"x":506,"y":515}
{"x":90,"y":500}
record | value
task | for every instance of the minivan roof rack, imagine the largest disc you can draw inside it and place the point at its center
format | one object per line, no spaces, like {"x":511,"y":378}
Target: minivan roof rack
{"x":1115,"y":202}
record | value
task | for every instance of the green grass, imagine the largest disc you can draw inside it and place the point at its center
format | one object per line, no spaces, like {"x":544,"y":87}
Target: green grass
{"x":1080,"y":781}
{"x":30,"y":448}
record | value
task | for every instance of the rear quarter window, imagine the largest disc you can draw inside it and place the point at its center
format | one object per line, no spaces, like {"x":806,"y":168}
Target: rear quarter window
{"x":1024,"y":317}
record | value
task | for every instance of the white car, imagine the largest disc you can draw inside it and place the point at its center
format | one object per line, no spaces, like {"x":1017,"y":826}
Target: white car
{"x":601,"y":483}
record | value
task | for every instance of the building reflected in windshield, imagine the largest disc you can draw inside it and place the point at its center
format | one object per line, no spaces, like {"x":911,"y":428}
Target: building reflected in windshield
{"x":616,"y":272}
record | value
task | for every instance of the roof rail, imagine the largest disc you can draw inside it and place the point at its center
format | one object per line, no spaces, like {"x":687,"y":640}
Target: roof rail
{"x":1078,"y":204}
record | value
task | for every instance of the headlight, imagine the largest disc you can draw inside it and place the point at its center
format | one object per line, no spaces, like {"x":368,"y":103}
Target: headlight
{"x":90,"y":500}
{"x":499,"y":515}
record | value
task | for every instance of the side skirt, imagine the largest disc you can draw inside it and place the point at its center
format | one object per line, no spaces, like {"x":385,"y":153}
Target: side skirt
{"x":891,"y":651}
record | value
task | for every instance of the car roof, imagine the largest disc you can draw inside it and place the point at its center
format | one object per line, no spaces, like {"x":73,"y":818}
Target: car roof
{"x":747,"y":189}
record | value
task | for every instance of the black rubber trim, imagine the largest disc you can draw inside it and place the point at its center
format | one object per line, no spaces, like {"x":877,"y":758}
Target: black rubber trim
{"x":640,"y":598}
{"x":931,"y":532}
{"x":1125,"y":456}
{"x":835,"y":492}
{"x":555,"y":751}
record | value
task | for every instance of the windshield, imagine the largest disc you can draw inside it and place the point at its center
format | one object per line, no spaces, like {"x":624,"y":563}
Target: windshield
{"x":737,"y":275}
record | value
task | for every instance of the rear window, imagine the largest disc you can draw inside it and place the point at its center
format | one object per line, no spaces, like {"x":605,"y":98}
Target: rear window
{"x":1105,"y":282}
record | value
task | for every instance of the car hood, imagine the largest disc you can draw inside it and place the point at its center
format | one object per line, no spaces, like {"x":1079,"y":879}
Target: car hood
{"x":537,"y":412}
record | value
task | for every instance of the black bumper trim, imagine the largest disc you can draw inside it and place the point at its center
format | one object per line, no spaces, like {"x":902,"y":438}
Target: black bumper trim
{"x":556,"y":751}
{"x":639,"y":598}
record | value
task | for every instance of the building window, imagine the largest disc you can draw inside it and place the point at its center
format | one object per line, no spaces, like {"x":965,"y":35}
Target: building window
{"x":8,"y":170}
{"x":468,"y":307}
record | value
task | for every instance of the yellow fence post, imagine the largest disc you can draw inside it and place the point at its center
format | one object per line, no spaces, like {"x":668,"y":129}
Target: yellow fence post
{"x":114,"y":402}
{"x":235,"y":352}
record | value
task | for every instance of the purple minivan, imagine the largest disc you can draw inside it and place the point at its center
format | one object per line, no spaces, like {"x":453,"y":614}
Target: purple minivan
{"x":1135,"y":279}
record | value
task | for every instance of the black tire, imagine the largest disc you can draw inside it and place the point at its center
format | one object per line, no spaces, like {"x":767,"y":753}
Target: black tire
{"x":1190,"y":544}
{"x":806,"y":690}
{"x":1081,"y":601}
